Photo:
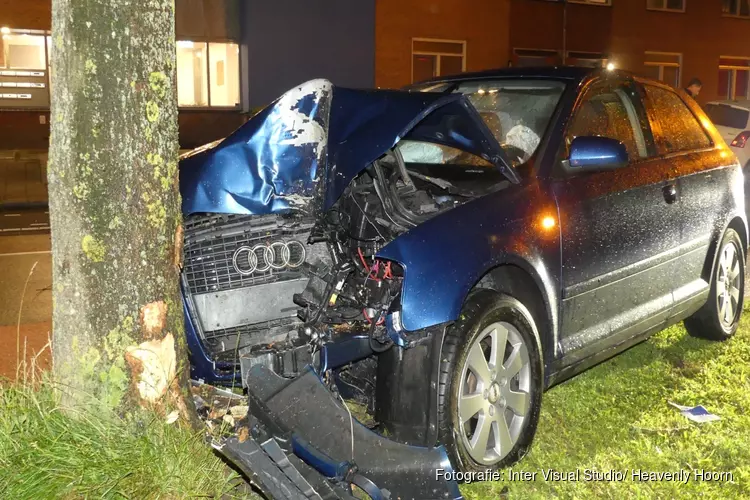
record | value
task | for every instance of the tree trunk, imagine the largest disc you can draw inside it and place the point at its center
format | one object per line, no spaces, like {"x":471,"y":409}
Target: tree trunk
{"x":118,"y":335}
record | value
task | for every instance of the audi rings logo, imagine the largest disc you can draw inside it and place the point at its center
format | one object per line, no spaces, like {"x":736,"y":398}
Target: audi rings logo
{"x":262,"y":257}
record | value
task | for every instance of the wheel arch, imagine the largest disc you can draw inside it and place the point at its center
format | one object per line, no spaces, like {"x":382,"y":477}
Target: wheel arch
{"x":525,"y":285}
{"x":736,"y":223}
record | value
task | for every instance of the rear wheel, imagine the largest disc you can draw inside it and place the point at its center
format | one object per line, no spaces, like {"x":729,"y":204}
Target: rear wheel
{"x":491,"y":383}
{"x":719,"y":317}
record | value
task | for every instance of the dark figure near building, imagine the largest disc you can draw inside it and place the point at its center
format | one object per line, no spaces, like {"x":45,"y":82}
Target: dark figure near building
{"x":694,"y":87}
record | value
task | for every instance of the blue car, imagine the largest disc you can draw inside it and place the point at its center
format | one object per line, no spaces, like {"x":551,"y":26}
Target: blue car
{"x":443,"y":254}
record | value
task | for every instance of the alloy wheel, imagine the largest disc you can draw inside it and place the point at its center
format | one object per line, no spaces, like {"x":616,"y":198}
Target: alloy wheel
{"x":728,"y":285}
{"x":494,"y":393}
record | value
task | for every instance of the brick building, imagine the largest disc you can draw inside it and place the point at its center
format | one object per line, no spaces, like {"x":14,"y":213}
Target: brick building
{"x":232,"y":57}
{"x":236,"y":55}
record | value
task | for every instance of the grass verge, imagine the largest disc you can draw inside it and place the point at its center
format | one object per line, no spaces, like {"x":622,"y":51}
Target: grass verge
{"x":616,"y":417}
{"x":45,"y":453}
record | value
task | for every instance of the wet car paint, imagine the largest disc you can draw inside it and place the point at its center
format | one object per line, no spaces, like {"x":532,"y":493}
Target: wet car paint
{"x":573,"y":263}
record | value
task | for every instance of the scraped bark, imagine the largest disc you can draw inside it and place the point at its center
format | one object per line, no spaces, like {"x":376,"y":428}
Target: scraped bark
{"x":115,"y":207}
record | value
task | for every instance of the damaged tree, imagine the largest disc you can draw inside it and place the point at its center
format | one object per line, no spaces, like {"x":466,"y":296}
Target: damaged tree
{"x":115,"y":206}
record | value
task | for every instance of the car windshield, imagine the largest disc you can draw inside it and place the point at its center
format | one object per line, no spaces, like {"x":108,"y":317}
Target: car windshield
{"x":517,"y":111}
{"x":724,"y":115}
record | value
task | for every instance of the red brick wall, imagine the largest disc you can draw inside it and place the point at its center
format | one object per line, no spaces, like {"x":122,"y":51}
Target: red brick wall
{"x":539,"y":25}
{"x":701,"y":34}
{"x":26,"y":14}
{"x":23,"y":130}
{"x":483,"y":24}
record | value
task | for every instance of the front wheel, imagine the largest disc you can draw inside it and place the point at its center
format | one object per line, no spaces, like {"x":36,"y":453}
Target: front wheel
{"x":719,"y":317}
{"x":491,"y":383}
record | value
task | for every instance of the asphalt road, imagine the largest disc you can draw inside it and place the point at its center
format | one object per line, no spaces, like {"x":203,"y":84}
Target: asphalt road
{"x":25,"y":318}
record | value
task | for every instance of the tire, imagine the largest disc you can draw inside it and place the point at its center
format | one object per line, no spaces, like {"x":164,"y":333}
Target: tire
{"x":713,"y":321}
{"x":487,"y":318}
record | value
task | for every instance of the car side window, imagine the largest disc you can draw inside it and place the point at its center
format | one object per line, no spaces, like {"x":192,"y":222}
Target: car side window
{"x":613,"y":110}
{"x":677,"y":127}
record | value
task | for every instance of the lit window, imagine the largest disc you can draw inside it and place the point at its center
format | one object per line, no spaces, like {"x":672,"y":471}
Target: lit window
{"x":23,"y":51}
{"x":208,"y":74}
{"x":739,"y":8}
{"x":670,"y":5}
{"x":664,"y":66}
{"x":431,"y":58}
{"x":192,"y":74}
{"x":225,"y":74}
{"x":526,"y":58}
{"x":23,"y":68}
{"x":734,"y":78}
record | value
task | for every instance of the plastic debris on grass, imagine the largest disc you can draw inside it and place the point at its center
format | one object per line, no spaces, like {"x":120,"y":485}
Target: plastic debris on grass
{"x":697,"y":414}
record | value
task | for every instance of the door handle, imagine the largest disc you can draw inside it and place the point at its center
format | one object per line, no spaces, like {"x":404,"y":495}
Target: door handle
{"x":670,"y":193}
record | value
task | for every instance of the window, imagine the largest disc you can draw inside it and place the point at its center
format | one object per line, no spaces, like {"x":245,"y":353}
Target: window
{"x":225,"y":74}
{"x":432,"y":58}
{"x":23,"y":68}
{"x":734,"y":81}
{"x":516,"y":111}
{"x":670,"y":5}
{"x":613,"y":110}
{"x":23,"y":51}
{"x":586,"y":59}
{"x":665,"y":67}
{"x":679,"y":128}
{"x":208,"y":74}
{"x":739,"y":8}
{"x":535,"y":57}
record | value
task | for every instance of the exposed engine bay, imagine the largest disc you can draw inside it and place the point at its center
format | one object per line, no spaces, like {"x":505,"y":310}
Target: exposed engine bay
{"x":276,"y":289}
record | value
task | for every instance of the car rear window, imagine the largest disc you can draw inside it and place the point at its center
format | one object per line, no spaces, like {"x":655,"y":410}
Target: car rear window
{"x":727,"y":116}
{"x":680,"y":129}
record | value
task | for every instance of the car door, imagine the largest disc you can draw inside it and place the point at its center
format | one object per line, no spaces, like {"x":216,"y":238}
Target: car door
{"x":619,"y":228}
{"x":706,"y":199}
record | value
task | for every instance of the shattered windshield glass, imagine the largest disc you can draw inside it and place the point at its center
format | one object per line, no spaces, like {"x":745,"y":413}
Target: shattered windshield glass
{"x":516,"y":111}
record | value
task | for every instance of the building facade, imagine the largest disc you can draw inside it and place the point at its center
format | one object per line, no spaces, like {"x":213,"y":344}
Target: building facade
{"x":234,"y":56}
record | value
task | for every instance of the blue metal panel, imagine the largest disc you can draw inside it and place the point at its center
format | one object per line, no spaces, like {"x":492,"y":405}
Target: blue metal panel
{"x":444,"y":257}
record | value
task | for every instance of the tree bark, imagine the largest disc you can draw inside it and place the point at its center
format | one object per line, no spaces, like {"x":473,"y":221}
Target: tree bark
{"x":118,"y":336}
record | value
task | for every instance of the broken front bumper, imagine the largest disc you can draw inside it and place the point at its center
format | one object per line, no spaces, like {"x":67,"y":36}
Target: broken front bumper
{"x":299,"y":441}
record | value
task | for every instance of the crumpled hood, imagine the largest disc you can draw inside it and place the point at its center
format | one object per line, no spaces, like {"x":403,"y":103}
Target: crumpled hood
{"x":304,"y":149}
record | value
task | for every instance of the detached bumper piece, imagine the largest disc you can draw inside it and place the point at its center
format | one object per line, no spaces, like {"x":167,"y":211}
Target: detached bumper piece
{"x":306,"y":450}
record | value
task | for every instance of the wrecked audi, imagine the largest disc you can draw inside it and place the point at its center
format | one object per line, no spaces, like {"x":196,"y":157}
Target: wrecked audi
{"x":436,"y":257}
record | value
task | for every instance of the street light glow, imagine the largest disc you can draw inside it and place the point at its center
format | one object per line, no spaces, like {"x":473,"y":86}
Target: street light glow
{"x":610,"y":66}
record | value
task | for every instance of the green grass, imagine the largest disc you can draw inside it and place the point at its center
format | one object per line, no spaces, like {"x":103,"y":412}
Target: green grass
{"x":45,"y":453}
{"x":616,"y":416}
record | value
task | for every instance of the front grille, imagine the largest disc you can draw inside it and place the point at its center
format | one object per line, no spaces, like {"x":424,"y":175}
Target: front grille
{"x":211,"y":261}
{"x":227,"y":344}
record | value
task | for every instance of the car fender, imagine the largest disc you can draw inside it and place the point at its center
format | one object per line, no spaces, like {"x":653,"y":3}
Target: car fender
{"x":445,"y":257}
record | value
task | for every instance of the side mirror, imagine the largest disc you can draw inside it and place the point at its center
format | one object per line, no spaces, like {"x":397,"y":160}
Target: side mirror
{"x":597,"y":153}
